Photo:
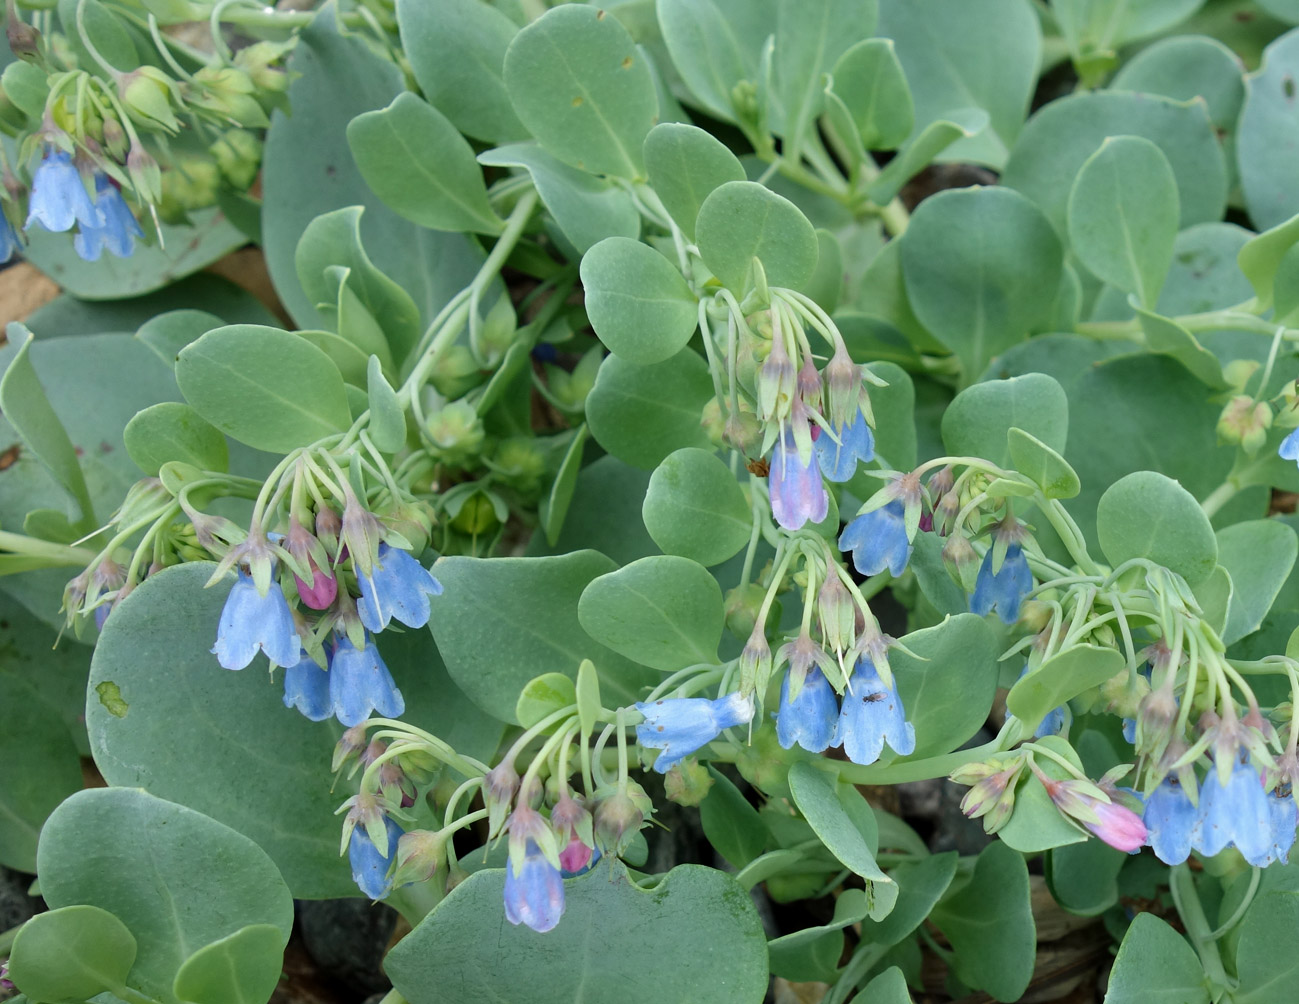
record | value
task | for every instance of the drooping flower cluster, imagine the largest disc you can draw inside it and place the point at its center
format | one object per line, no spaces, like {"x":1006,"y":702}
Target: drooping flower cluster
{"x":336,"y":670}
{"x":871,"y":715}
{"x":815,"y":423}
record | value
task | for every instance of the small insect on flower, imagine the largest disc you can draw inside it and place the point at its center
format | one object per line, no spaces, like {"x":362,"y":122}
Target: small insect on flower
{"x":759,"y":468}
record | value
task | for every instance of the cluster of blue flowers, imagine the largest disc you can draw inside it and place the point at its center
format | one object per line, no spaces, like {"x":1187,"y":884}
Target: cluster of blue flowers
{"x":1241,"y":813}
{"x":878,"y":539}
{"x":59,"y":201}
{"x":871,"y":714}
{"x":357,"y":682}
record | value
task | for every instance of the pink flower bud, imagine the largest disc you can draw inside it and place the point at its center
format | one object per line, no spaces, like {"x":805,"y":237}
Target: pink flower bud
{"x":1118,"y":826}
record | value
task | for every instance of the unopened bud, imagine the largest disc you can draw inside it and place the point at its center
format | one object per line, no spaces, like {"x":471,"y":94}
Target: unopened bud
{"x":238,"y":154}
{"x":1245,"y":422}
{"x":499,"y":787}
{"x":456,"y":432}
{"x":688,"y":781}
{"x":619,"y":815}
{"x":961,"y":561}
{"x":148,"y":95}
{"x":419,"y":855}
{"x":349,"y":747}
{"x":24,"y":40}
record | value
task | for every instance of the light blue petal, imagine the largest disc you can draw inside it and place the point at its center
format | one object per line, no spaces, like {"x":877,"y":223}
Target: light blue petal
{"x":250,"y":621}
{"x":809,"y":720}
{"x":535,"y":896}
{"x":838,"y":461}
{"x":369,"y":867}
{"x":359,"y":684}
{"x":797,"y":494}
{"x":1170,"y":820}
{"x":59,"y":198}
{"x":306,"y":687}
{"x":1289,"y":448}
{"x":398,"y":589}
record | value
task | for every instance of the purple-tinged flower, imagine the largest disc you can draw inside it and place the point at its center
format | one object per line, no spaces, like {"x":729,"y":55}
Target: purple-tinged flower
{"x":577,"y":858}
{"x":1170,"y":821}
{"x":878,"y":540}
{"x":1235,"y":813}
{"x":370,"y":865}
{"x":1289,"y":448}
{"x":251,"y":621}
{"x":839,"y":460}
{"x":117,"y":231}
{"x":680,"y":725}
{"x":1005,"y":589}
{"x":397,"y":587}
{"x":872,"y":715}
{"x":59,"y":197}
{"x":360,"y":683}
{"x":306,"y":687}
{"x":797,"y":494}
{"x":809,"y":718}
{"x":1118,"y":826}
{"x":534,"y":894}
{"x":309,"y":554}
{"x":1090,"y":806}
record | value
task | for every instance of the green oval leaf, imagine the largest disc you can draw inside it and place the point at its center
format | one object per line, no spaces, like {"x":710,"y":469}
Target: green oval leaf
{"x":685,"y":164}
{"x":39,"y":765}
{"x":982,"y":267}
{"x":662,"y":611}
{"x":731,"y":824}
{"x":417,"y":162}
{"x":456,"y":50}
{"x":494,"y":644}
{"x":1059,"y":679}
{"x":742,"y":220}
{"x":241,"y":968}
{"x":586,"y":209}
{"x":71,"y":954}
{"x":640,"y":414}
{"x":1266,"y":133}
{"x":100,"y":843}
{"x":267,"y":388}
{"x":810,"y":36}
{"x":1123,"y":216}
{"x":697,"y":917}
{"x":979,"y":418}
{"x":814,"y":794}
{"x":544,"y":695}
{"x":695,"y":508}
{"x":1155,"y":965}
{"x":174,"y":431}
{"x":868,"y":79}
{"x":947,"y":688}
{"x":1063,"y":134}
{"x":1047,"y":469}
{"x":578,"y":83}
{"x":1258,"y":555}
{"x":1149,"y":515}
{"x":958,"y":55}
{"x":996,"y":957}
{"x":554,"y":507}
{"x":637,"y":301}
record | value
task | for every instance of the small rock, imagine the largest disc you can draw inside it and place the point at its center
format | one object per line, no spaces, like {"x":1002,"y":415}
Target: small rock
{"x":347,"y":938}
